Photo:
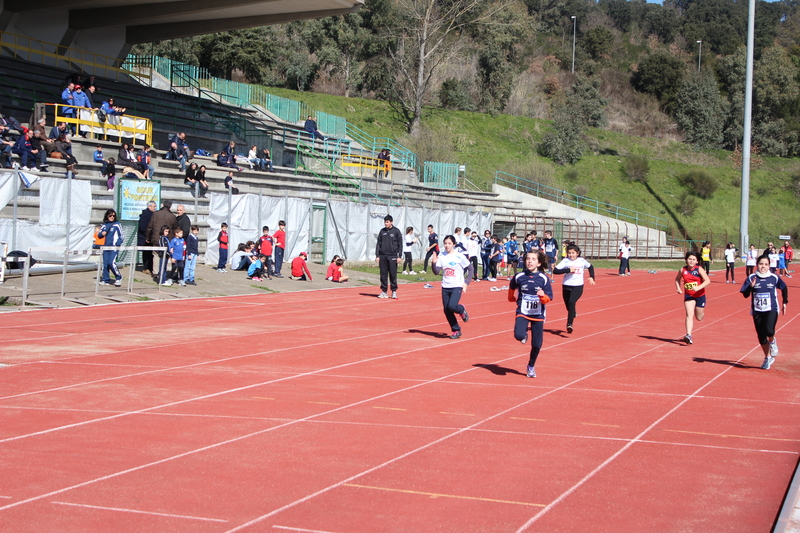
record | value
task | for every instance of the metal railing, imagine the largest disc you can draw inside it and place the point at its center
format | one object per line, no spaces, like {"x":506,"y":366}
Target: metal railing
{"x":580,"y":202}
{"x":399,"y":153}
{"x":55,"y":55}
{"x":87,"y":121}
{"x":443,"y":175}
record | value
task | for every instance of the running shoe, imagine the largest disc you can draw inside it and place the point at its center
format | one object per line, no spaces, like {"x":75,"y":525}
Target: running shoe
{"x":465,"y":315}
{"x":104,"y":283}
{"x":525,"y":340}
{"x":569,"y":328}
{"x":773,"y":348}
{"x":768,"y":360}
{"x":531,"y":372}
{"x":394,"y":295}
{"x":455,"y":335}
{"x":687,"y":339}
{"x":412,"y":273}
{"x":492,"y":279}
{"x":167,"y":283}
{"x":182,"y":283}
{"x":383,"y":295}
{"x":421,"y":271}
{"x":405,"y":273}
{"x":118,"y":283}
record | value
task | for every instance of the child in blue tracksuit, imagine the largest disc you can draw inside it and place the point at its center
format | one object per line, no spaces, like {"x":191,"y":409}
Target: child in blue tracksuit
{"x":97,"y":157}
{"x":163,"y":242}
{"x":177,"y":251}
{"x":531,"y":290}
{"x":192,"y":250}
{"x":111,"y":230}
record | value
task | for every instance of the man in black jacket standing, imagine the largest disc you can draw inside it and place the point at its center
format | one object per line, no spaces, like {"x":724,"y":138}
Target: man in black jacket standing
{"x":388,"y":253}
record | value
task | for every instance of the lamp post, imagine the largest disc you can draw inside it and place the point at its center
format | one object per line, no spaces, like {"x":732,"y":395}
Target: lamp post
{"x":574,"y":22}
{"x":699,"y":54}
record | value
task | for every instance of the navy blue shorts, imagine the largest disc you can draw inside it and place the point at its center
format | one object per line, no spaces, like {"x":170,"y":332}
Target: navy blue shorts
{"x":700,"y":301}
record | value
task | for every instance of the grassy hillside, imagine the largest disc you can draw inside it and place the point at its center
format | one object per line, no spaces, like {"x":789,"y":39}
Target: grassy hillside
{"x":509,"y":143}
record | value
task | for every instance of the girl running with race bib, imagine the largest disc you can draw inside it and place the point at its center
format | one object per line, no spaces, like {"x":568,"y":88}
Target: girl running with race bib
{"x":453,"y":266}
{"x":692,"y":281}
{"x":531,"y":290}
{"x":762,"y":287}
{"x":573,"y":267}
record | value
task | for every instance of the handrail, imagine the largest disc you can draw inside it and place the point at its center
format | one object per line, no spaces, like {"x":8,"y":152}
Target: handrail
{"x":580,"y":202}
{"x":443,"y":175}
{"x":399,"y":152}
{"x":27,"y":48}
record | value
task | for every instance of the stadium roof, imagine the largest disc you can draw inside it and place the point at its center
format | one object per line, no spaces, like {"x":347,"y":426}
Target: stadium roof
{"x":111,"y":27}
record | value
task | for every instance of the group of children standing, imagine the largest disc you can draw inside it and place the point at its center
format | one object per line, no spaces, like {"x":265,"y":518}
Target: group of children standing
{"x":181,"y":256}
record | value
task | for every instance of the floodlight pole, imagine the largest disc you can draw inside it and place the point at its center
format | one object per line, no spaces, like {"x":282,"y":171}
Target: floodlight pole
{"x":699,"y":55}
{"x":574,"y":22}
{"x":744,"y":214}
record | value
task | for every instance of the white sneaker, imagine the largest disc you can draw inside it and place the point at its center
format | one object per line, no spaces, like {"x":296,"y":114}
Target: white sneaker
{"x":768,"y":360}
{"x":383,"y":295}
{"x":492,"y":279}
{"x":394,"y":295}
{"x":423,"y":272}
{"x":405,"y":273}
{"x":182,"y":283}
{"x":773,"y":348}
{"x":118,"y":283}
{"x":412,"y":273}
{"x":24,"y":168}
{"x":167,"y":283}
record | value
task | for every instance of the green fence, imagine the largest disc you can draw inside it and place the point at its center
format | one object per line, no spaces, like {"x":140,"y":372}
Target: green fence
{"x":440,"y":174}
{"x":580,"y":202}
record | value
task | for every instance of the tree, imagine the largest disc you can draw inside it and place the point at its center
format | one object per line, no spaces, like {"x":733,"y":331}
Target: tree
{"x":586,"y":103}
{"x":720,"y":24}
{"x":597,"y":42}
{"x":661,"y":21}
{"x":249,"y":51}
{"x":564,"y":145}
{"x":661,"y":75}
{"x":428,"y":34}
{"x":699,"y":112}
{"x":343,"y":41}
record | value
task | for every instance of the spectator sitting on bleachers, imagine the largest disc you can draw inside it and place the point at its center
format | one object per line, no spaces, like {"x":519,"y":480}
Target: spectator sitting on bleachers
{"x":201,"y":177}
{"x":110,"y":173}
{"x":6,"y":145}
{"x":68,"y":99}
{"x":25,"y":151}
{"x":266,"y":160}
{"x":177,"y":153}
{"x":64,"y":147}
{"x":229,"y":183}
{"x":180,"y":140}
{"x":109,"y":108}
{"x":41,"y":133}
{"x":11,"y":127}
{"x":224,"y":159}
{"x":252,"y":157}
{"x":58,"y":129}
{"x":143,"y":157}
{"x":191,"y":179}
{"x":38,"y":150}
{"x":311,"y":127}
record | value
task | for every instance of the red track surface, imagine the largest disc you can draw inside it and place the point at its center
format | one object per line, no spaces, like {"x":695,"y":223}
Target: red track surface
{"x":334,"y":411}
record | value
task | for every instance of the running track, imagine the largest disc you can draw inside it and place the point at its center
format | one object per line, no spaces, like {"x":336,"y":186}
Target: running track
{"x":336,"y":412}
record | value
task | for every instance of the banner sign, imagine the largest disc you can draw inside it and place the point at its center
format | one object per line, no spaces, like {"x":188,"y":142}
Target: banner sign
{"x":134,"y":195}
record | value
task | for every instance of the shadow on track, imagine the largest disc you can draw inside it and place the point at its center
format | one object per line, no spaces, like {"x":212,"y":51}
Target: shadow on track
{"x":662,"y":339}
{"x":498,"y":370}
{"x":436,"y":334}
{"x":721,"y":362}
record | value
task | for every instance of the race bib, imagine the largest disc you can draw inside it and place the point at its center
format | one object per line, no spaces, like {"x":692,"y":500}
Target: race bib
{"x":578,"y":271}
{"x":762,"y":302}
{"x":449,"y":272}
{"x":691,"y":286}
{"x":529,"y":304}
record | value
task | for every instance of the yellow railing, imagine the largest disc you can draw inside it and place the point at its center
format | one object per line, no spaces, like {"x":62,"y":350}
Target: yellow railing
{"x":53,"y":55}
{"x":373,"y":166}
{"x":88,"y":123}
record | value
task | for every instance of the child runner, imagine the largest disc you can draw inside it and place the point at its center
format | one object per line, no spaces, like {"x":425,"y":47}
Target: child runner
{"x":572,"y":289}
{"x":706,"y":256}
{"x":408,"y":247}
{"x":495,"y":258}
{"x":531,"y":290}
{"x":774,"y":257}
{"x":163,"y":242}
{"x":692,"y":281}
{"x":177,"y":252}
{"x":433,"y":247}
{"x":763,"y":287}
{"x":192,"y":251}
{"x":730,"y":260}
{"x":452,"y":265}
{"x":111,"y":231}
{"x":512,"y":252}
{"x":550,"y":246}
{"x":750,"y":260}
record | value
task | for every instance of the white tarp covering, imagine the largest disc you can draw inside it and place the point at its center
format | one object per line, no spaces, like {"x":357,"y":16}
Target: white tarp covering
{"x":53,"y":201}
{"x":110,"y":123}
{"x":351,"y":229}
{"x":31,"y":235}
{"x":9,"y":184}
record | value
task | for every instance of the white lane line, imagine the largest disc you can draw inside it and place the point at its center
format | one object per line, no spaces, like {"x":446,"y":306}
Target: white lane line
{"x":140,"y":512}
{"x":301,"y":529}
{"x":638,"y":438}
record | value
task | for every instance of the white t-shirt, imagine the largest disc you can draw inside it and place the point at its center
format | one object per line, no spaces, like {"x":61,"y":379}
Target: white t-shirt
{"x":773,"y":260}
{"x":452,"y":265}
{"x":473,"y":247}
{"x":752,"y":255}
{"x":408,"y":242}
{"x":625,"y":249}
{"x":574,"y":279}
{"x":730,"y":255}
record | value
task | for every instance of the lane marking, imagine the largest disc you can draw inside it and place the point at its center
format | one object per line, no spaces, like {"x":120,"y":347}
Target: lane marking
{"x":534,"y":419}
{"x":140,"y":512}
{"x":324,"y":403}
{"x":301,"y":529}
{"x":389,"y":408}
{"x":604,"y":425}
{"x":437,"y":495}
{"x":261,"y":398}
{"x":639,"y":437}
{"x":724,"y":435}
{"x":7,"y":497}
{"x":457,"y":414}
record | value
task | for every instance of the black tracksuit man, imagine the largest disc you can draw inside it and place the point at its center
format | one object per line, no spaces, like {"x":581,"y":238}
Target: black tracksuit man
{"x":388,"y":252}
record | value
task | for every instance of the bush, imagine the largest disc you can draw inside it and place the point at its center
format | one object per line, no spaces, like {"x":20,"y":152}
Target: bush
{"x":565,"y":145}
{"x":454,"y":94}
{"x":687,"y":204}
{"x":572,"y":175}
{"x":700,"y":183}
{"x":636,"y":168}
{"x":795,"y":185}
